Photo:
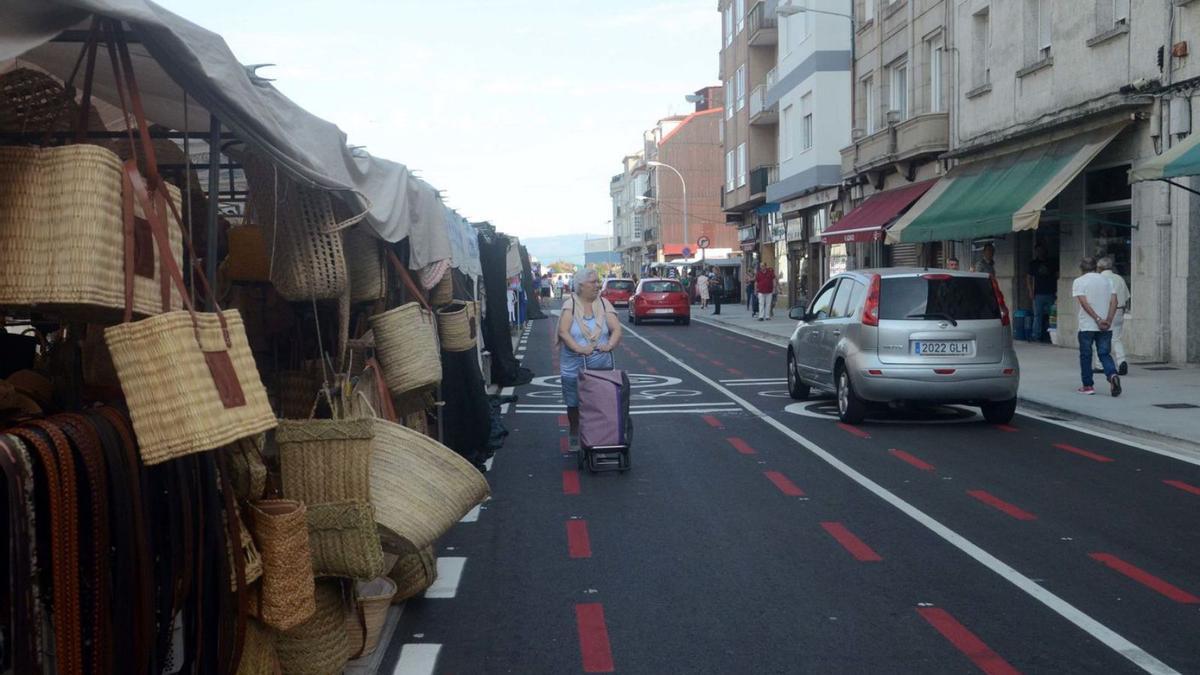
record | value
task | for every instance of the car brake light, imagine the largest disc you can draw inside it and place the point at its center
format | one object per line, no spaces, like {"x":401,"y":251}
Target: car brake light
{"x":936,"y":277}
{"x":944,"y":371}
{"x":870,"y":315}
{"x":1000,"y":301}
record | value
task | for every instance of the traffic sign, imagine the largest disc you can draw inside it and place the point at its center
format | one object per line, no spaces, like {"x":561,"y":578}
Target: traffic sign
{"x":687,"y":252}
{"x":702,"y":242}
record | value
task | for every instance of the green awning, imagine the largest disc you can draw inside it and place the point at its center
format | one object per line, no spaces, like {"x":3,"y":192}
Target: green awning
{"x":1004,"y":193}
{"x":1181,"y":160}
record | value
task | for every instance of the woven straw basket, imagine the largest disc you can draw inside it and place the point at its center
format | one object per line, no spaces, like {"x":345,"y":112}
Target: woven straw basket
{"x":318,"y":646}
{"x":407,"y":346}
{"x":443,"y":292}
{"x":175,"y":406}
{"x":297,"y":393}
{"x":308,"y":261}
{"x":364,"y":621}
{"x":458,"y":325}
{"x":413,"y":573}
{"x":325,"y":461}
{"x":364,"y":263}
{"x":251,"y":558}
{"x":258,"y":651}
{"x":419,"y":487}
{"x":33,"y":102}
{"x":344,"y":540}
{"x":62,"y":238}
{"x":280,"y":528}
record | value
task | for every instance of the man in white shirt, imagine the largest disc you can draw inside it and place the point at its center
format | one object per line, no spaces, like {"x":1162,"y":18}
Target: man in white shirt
{"x":1097,"y":306}
{"x":1105,"y":267}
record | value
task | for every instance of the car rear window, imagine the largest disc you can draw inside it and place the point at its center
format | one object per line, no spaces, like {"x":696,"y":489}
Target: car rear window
{"x":662,"y":287}
{"x":619,"y":286}
{"x":959,"y":298}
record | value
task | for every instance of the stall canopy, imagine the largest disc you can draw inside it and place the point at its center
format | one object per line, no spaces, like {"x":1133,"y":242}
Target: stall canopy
{"x":172,"y":54}
{"x":1181,"y":160}
{"x":1005,"y":193}
{"x":867,"y":222}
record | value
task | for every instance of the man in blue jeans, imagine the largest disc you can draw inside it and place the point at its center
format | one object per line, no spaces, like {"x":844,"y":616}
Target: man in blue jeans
{"x":1097,"y":306}
{"x":1042,"y":282}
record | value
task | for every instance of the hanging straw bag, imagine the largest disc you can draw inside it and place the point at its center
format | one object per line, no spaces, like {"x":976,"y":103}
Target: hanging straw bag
{"x":406,"y":341}
{"x":443,"y":292}
{"x":320,"y":645}
{"x":365,"y":265}
{"x":414,"y":572}
{"x":458,"y":325}
{"x":258,"y":651}
{"x":280,"y":528}
{"x":364,"y":621}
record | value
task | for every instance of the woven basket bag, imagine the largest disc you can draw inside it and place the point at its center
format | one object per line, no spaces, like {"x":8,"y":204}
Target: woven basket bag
{"x":458,"y":325}
{"x":442,"y":292}
{"x":325,"y":461}
{"x":407,"y":347}
{"x":413,"y":573}
{"x":364,"y":621}
{"x":344,"y":540}
{"x":308,"y":261}
{"x":365,"y":265}
{"x":419,"y":487}
{"x":280,"y":528}
{"x":33,"y":102}
{"x":318,"y":646}
{"x":61,"y":235}
{"x":258,"y":651}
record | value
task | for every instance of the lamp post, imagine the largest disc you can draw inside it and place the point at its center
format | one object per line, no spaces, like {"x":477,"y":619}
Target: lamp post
{"x":682,"y":182}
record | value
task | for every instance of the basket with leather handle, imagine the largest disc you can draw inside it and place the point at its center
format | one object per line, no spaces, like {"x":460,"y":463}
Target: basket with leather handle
{"x":368,"y":613}
{"x":458,"y":325}
{"x":365,"y":265}
{"x":442,"y":292}
{"x":406,"y":341}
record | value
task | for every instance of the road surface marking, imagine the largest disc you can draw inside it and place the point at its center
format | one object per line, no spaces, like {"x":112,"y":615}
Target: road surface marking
{"x":904,"y":456}
{"x":417,"y":659}
{"x":579,"y":544}
{"x":594,"y":648}
{"x":1097,"y":630}
{"x":853,"y":430}
{"x":449,"y":573}
{"x":564,"y":444}
{"x":472,"y":515}
{"x":851,"y":543}
{"x":1146,"y":579}
{"x":785,"y":486}
{"x":570,"y":482}
{"x":741,"y":446}
{"x":966,"y":642}
{"x":1123,"y":439}
{"x":1007,"y":427}
{"x":563,"y":421}
{"x":712,"y":422}
{"x":1083,"y":453}
{"x":1183,"y":486}
{"x":1001,"y":505}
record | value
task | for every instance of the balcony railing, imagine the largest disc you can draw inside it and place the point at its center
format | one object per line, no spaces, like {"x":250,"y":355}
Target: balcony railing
{"x":925,"y":135}
{"x":763,"y":176}
{"x":771,"y":77}
{"x":763,"y":25}
{"x":761,"y":114}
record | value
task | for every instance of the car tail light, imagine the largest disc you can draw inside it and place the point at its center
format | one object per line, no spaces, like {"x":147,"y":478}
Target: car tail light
{"x":870,"y":315}
{"x":944,"y":371}
{"x":1000,"y":301}
{"x":874,"y":372}
{"x":1008,"y":371}
{"x":936,"y":277}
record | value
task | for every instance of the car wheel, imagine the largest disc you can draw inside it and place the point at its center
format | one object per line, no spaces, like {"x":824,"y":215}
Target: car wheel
{"x":851,"y":408}
{"x":999,"y":412}
{"x":796,"y":388}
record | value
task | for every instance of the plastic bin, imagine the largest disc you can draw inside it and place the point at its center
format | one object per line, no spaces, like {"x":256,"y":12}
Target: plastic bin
{"x":1021,"y":323}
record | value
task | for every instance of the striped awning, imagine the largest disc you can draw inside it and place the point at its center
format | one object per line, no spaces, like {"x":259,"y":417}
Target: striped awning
{"x":1181,"y":160}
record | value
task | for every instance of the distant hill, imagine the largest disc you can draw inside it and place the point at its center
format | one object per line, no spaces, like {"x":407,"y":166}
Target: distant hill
{"x":568,"y":247}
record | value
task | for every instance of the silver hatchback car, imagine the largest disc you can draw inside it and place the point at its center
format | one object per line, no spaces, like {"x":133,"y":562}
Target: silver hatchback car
{"x":904,"y":334}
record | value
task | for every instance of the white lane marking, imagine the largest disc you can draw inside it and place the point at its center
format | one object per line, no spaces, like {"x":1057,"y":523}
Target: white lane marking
{"x":753,"y":384}
{"x":688,"y":411}
{"x":1117,"y":436}
{"x":522,"y":406}
{"x":754,"y":379}
{"x":449,"y":573}
{"x":472,"y":515}
{"x":506,"y":391}
{"x":1097,"y":630}
{"x":417,"y":659}
{"x":488,"y":463}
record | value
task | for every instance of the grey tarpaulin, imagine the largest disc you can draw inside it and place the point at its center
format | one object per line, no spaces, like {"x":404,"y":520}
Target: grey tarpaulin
{"x":175,"y":54}
{"x":464,"y":245}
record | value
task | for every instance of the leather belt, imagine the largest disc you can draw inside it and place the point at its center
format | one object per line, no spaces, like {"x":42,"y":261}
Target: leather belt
{"x":19,"y":593}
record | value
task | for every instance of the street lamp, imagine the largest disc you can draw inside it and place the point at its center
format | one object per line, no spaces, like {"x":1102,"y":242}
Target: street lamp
{"x":682,"y":182}
{"x":788,"y":9}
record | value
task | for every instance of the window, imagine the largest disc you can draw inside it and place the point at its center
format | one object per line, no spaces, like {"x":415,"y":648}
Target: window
{"x":935,"y":75}
{"x":741,"y":87}
{"x":740,"y":14}
{"x":727,"y":15}
{"x":729,"y":171}
{"x":1111,"y":14}
{"x":785,"y":132}
{"x":868,"y":13}
{"x":981,"y":42}
{"x":822,"y":305}
{"x":960,"y":298}
{"x":806,"y":130}
{"x":728,"y":99}
{"x":872,"y":98}
{"x":741,"y":164}
{"x":1039,"y":23}
{"x":842,"y":307}
{"x":1120,"y":12}
{"x":899,"y":89}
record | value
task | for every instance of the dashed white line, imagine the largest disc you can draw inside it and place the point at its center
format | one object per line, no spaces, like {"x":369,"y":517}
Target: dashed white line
{"x":449,"y":573}
{"x":417,"y":659}
{"x":472,"y":515}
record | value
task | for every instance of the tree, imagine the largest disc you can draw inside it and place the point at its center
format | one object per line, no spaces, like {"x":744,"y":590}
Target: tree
{"x":561,"y":267}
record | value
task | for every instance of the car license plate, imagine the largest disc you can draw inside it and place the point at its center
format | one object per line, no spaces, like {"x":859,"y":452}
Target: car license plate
{"x":943,"y":347}
{"x":662,"y":311}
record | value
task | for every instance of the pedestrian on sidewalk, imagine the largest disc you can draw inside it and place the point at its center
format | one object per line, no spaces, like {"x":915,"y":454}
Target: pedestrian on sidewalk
{"x":1121,"y":289}
{"x":1042,"y":285}
{"x":716,"y":286}
{"x":1097,"y":306}
{"x":702,"y":290}
{"x":588,"y":330}
{"x":764,"y":283}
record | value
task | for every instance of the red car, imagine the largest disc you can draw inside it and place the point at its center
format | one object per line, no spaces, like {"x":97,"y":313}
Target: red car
{"x":660,"y":299}
{"x":617,"y":291}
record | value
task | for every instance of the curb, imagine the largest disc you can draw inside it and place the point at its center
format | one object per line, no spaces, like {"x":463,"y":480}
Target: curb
{"x":777,"y":340}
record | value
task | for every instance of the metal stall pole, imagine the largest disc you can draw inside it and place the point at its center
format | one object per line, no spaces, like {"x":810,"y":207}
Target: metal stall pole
{"x":214,"y":202}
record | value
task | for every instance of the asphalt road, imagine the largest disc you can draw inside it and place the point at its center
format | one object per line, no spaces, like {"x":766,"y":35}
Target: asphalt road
{"x":756,"y":534}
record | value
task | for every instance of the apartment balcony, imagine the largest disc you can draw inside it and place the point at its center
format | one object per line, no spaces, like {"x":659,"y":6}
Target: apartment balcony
{"x":761,"y":114}
{"x":763,"y":25}
{"x":771,"y":77}
{"x":908,"y":142}
{"x":761,"y":177}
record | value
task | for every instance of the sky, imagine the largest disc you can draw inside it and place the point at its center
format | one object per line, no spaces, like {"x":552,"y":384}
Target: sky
{"x":519,"y":111}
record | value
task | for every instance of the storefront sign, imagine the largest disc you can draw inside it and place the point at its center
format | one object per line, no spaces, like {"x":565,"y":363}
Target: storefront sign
{"x":795,"y":229}
{"x":808,"y":201}
{"x":748,"y":233}
{"x":778,"y":232}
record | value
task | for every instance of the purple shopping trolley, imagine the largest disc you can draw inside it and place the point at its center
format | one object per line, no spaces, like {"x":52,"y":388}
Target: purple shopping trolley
{"x":605,"y":427}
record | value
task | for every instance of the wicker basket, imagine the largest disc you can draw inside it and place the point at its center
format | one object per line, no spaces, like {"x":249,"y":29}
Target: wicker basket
{"x":458,"y":326}
{"x":419,"y":487}
{"x":308,"y":258}
{"x":407,"y":346}
{"x":318,"y":646}
{"x":344,"y":540}
{"x":413,"y":573}
{"x":62,"y":238}
{"x":297,"y":393}
{"x":325,"y":460}
{"x":258,"y":651}
{"x":365,"y":265}
{"x":251,"y":558}
{"x":176,"y":407}
{"x":248,"y":259}
{"x":247,"y":471}
{"x":280,"y":528}
{"x":364,"y":621}
{"x":33,"y":102}
{"x":443,"y":292}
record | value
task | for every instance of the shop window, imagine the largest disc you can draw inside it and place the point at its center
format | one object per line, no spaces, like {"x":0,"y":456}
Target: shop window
{"x":1105,"y":186}
{"x":1111,"y":234}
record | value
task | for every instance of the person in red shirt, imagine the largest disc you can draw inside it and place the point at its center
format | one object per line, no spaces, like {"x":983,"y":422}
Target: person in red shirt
{"x":764,"y":284}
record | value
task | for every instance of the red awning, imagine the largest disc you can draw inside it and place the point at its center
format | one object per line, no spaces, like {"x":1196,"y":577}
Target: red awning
{"x":868,"y":221}
{"x":672,"y":249}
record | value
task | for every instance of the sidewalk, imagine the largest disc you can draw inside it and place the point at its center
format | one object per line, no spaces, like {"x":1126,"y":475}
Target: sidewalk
{"x":1049,"y":377}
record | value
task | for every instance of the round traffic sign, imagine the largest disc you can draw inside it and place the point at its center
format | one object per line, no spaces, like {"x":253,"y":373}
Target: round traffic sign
{"x":702,"y":242}
{"x":687,"y":252}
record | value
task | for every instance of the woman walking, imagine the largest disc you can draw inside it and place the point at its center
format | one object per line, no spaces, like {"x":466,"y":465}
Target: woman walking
{"x":589,"y":330}
{"x":702,"y":290}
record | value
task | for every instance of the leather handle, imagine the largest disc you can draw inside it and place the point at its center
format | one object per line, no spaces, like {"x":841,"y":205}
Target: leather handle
{"x":405,"y":277}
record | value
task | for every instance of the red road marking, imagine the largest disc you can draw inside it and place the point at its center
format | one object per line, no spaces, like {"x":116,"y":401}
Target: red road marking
{"x":570,"y":482}
{"x":1083,"y":453}
{"x":966,"y":642}
{"x":852,"y":430}
{"x":718,"y":363}
{"x":851,"y":543}
{"x":735,"y":371}
{"x":785,"y":486}
{"x":564,"y":443}
{"x":1007,"y":427}
{"x":652,"y":370}
{"x":593,"y":638}
{"x":579,"y":545}
{"x":563,"y":421}
{"x":1146,"y":579}
{"x":1183,"y":486}
{"x":997,"y":503}
{"x":741,"y":446}
{"x":904,"y":456}
{"x":713,"y":422}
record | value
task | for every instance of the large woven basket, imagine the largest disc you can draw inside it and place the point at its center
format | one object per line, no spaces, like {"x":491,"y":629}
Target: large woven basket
{"x":318,"y":646}
{"x":365,"y":265}
{"x":458,"y":325}
{"x":413,"y":573}
{"x":62,"y":239}
{"x":325,"y":460}
{"x":33,"y":102}
{"x":407,"y":347}
{"x":364,"y":621}
{"x":297,"y":393}
{"x":344,"y":540}
{"x":419,"y":487}
{"x":280,"y":528}
{"x":176,"y":407}
{"x":258,"y":651}
{"x":308,"y":261}
{"x":442,"y":292}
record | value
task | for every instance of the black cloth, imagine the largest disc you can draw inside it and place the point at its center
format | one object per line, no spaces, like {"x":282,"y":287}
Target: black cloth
{"x":533,"y":309}
{"x":493,"y":256}
{"x":1045,"y":277}
{"x":466,"y":414}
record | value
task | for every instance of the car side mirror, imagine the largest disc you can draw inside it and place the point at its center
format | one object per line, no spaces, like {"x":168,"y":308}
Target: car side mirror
{"x":797,"y":313}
